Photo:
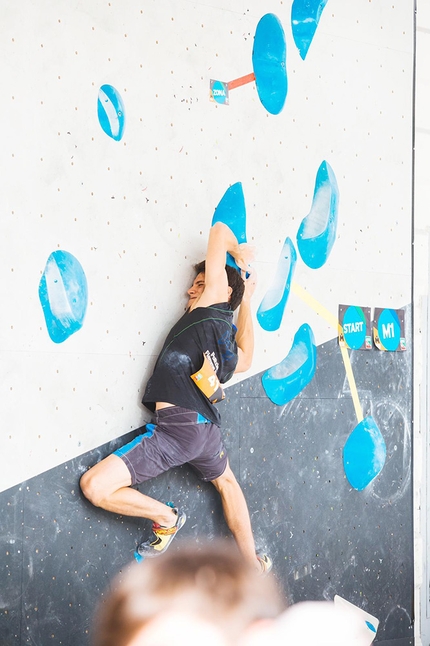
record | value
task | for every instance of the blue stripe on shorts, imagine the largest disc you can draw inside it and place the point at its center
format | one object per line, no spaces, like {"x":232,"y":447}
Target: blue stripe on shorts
{"x":127,"y":447}
{"x":202,"y":420}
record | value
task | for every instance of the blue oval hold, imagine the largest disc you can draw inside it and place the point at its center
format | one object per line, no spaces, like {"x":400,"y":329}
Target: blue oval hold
{"x":305,"y":16}
{"x":272,"y":307}
{"x":63,"y":294}
{"x":317,"y":232}
{"x":287,"y":379}
{"x":110,"y":110}
{"x":364,"y":454}
{"x":269,"y":60}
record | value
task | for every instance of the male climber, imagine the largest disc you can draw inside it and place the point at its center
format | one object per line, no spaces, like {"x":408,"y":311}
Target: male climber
{"x":202,"y":351}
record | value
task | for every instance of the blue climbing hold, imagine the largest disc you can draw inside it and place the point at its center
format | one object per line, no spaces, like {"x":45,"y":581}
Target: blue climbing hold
{"x":317,"y":232}
{"x":232,"y":212}
{"x":287,"y":379}
{"x":63,"y":294}
{"x":110,"y":110}
{"x":269,"y":61}
{"x":364,"y":454}
{"x":272,"y":307}
{"x":305,"y":16}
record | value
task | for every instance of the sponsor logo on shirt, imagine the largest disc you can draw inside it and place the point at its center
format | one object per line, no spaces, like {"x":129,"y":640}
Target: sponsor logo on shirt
{"x":211,"y":357}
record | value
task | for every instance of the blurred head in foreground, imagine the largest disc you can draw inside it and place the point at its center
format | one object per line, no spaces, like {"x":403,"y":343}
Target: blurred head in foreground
{"x":206,"y":597}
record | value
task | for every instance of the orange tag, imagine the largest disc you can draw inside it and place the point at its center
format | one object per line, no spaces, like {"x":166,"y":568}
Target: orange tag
{"x":208,"y":382}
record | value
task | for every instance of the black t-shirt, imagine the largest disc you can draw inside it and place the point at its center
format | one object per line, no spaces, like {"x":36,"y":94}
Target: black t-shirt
{"x":205,"y":331}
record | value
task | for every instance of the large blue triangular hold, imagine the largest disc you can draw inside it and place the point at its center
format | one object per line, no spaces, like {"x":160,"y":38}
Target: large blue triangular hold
{"x":232,"y":212}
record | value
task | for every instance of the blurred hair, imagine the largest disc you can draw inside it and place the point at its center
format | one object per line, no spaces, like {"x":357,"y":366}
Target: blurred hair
{"x":235,"y":281}
{"x":214,"y":584}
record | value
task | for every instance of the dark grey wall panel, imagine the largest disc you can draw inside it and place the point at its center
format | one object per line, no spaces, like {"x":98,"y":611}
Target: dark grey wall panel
{"x":58,"y":553}
{"x":15,"y":570}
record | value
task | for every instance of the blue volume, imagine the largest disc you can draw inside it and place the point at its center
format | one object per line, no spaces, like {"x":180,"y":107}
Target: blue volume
{"x":232,"y":212}
{"x":305,"y":16}
{"x":317,"y":232}
{"x":269,"y":60}
{"x":272,"y":307}
{"x":287,"y":379}
{"x":364,"y":454}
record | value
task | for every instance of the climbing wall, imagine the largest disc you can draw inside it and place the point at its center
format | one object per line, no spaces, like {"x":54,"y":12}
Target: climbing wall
{"x":128,"y":130}
{"x":59,"y":553}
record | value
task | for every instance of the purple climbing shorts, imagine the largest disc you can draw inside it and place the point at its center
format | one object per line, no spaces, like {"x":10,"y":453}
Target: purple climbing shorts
{"x":176,"y":436}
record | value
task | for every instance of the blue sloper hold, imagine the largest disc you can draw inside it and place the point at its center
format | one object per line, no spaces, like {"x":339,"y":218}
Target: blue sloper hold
{"x":287,"y":379}
{"x":305,"y":16}
{"x":232,"y":212}
{"x":364,"y":454}
{"x":110,"y":110}
{"x":269,"y":61}
{"x":272,"y":307}
{"x":317,"y":232}
{"x":63,"y":294}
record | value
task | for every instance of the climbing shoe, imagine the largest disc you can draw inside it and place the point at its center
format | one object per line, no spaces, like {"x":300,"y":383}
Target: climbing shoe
{"x":266,"y":563}
{"x":162,"y":537}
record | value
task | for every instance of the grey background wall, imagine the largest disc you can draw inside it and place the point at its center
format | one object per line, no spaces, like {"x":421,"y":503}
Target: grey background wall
{"x":134,"y":213}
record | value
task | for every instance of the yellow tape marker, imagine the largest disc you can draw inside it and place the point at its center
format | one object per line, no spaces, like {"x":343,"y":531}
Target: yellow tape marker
{"x":333,"y":321}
